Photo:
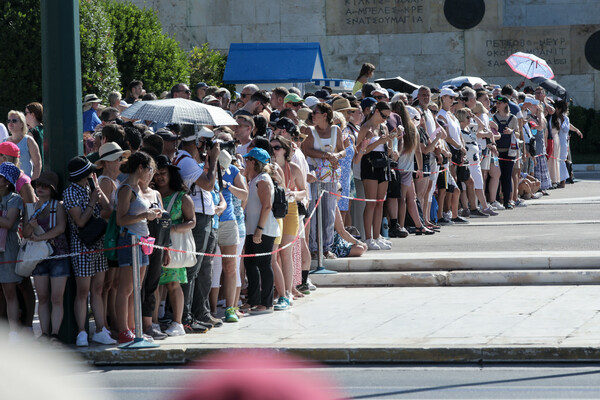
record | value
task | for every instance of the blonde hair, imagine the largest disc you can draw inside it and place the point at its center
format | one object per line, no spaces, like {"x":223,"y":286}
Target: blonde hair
{"x":340,"y":118}
{"x":21,"y":117}
{"x":479,"y":108}
{"x":462,"y":114}
{"x":12,"y":159}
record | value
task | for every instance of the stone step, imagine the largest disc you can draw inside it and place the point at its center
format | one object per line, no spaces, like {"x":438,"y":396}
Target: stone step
{"x":459,"y":278}
{"x":453,"y":261}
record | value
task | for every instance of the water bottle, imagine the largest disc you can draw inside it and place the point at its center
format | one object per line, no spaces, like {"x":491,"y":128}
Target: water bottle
{"x":384,"y":227}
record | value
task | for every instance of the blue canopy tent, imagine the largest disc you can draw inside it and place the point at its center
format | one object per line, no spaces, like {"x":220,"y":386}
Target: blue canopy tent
{"x":274,"y":63}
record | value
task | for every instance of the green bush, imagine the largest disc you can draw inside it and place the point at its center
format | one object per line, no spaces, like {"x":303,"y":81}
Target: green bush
{"x":21,"y":55}
{"x":99,"y":72}
{"x":208,"y":66}
{"x":143,"y":51}
{"x":588,"y":121}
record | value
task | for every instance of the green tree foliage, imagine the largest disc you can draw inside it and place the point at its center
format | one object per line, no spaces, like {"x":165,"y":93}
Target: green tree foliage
{"x":208,"y":66}
{"x":21,"y":54}
{"x":99,"y":72}
{"x":143,"y":51}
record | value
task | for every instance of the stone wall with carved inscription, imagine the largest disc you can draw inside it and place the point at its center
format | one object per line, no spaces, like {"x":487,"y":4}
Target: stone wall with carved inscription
{"x":409,"y":38}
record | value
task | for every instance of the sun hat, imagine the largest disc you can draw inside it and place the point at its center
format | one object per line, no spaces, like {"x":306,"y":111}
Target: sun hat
{"x":342,"y":104}
{"x":292,"y":98}
{"x":10,"y":149}
{"x":91,"y":98}
{"x":258,"y":154}
{"x":303,"y":113}
{"x":79,"y":167}
{"x":10,"y":172}
{"x":322,"y":94}
{"x":47,"y":178}
{"x":162,"y":161}
{"x":111,"y":151}
{"x":190,"y":135}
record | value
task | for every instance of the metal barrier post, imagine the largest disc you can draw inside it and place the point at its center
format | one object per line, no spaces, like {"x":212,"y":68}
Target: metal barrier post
{"x":320,"y":269}
{"x":139,"y":342}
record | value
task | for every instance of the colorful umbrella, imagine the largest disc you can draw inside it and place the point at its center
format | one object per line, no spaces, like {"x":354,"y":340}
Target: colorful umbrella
{"x":529,"y":66}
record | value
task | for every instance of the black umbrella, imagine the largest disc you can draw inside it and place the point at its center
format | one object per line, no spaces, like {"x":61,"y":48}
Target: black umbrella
{"x":398,"y":84}
{"x":551,"y":87}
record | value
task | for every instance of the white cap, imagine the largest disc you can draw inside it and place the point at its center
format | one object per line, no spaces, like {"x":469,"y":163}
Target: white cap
{"x":413,"y":112}
{"x":311,"y":101}
{"x":448,"y":92}
{"x":531,"y":100}
{"x":380,"y":91}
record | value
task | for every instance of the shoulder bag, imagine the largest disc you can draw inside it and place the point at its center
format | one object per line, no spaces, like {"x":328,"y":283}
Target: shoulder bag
{"x":35,"y":252}
{"x":181,"y":241}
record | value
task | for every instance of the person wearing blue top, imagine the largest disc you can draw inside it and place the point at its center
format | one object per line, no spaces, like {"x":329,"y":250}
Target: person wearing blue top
{"x":228,"y":234}
{"x":90,"y":116}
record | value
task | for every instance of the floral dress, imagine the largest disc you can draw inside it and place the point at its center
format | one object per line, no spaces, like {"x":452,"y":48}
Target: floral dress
{"x":347,"y":178}
{"x":169,"y":275}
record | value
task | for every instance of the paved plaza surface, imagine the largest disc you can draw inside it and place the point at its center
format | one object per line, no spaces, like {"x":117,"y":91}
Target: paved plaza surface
{"x":520,"y":322}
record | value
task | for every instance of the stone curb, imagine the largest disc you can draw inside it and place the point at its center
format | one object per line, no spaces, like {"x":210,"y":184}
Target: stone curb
{"x":586,"y":167}
{"x":361,"y":355}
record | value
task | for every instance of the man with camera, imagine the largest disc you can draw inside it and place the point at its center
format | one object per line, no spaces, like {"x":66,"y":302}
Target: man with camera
{"x":194,"y":142}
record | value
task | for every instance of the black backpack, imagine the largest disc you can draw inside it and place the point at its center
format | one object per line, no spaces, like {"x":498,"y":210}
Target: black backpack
{"x":505,"y":140}
{"x":280,"y":204}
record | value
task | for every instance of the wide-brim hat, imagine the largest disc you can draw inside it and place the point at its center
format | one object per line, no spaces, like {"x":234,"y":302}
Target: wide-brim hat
{"x":111,"y":151}
{"x":79,"y":167}
{"x":342,"y":104}
{"x":162,"y":161}
{"x":91,"y":98}
{"x":47,"y":178}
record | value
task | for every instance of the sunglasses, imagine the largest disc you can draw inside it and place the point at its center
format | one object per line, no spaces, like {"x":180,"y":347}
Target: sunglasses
{"x":384,"y":116}
{"x":244,"y":95}
{"x":503,"y":99}
{"x":296,"y":104}
{"x":14,"y":121}
{"x":276,"y":148}
{"x":380,"y":97}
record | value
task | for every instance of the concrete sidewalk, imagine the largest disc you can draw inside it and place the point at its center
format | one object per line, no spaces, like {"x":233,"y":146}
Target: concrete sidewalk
{"x":439,"y":324}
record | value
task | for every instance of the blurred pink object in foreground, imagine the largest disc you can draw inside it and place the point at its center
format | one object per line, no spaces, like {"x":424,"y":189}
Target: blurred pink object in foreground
{"x":258,"y":375}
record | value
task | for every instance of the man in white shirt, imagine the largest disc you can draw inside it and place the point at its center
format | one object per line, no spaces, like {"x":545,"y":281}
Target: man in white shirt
{"x":201,"y":183}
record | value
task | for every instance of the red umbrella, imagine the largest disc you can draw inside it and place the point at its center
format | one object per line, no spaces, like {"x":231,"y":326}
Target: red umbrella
{"x":529,"y":66}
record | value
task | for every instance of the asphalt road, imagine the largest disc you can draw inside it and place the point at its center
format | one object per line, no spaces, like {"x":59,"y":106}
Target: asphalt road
{"x":385,"y":382}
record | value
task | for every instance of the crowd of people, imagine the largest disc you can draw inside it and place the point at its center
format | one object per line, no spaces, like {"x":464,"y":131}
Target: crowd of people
{"x":421,"y":160}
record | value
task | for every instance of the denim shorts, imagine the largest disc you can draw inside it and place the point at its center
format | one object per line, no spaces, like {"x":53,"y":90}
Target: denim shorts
{"x":124,"y":256}
{"x":55,"y":268}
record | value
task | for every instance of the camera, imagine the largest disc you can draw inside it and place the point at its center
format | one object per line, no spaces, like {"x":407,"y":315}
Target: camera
{"x":227,"y":146}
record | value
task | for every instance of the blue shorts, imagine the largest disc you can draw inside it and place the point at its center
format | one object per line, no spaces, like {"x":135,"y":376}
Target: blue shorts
{"x":56,"y":268}
{"x":124,"y":256}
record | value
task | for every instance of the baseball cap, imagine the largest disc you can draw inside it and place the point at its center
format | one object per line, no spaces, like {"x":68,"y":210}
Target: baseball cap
{"x":448,"y":92}
{"x":292,"y":98}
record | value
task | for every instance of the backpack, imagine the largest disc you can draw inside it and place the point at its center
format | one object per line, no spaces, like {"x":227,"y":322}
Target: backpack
{"x":280,"y":203}
{"x":505,"y":140}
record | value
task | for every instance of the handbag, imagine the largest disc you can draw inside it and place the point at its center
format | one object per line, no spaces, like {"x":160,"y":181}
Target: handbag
{"x":91,"y":233}
{"x":35,"y":252}
{"x":513,"y":150}
{"x":181,"y":241}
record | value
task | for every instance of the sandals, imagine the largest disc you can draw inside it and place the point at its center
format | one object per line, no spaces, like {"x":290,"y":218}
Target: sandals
{"x":423,"y":231}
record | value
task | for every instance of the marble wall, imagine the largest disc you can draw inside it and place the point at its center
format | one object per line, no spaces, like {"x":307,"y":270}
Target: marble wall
{"x":408,"y":38}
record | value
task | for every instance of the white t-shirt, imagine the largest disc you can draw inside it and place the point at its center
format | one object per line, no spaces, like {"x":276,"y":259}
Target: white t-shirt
{"x":299,"y":159}
{"x":3,"y":133}
{"x":452,"y":125}
{"x":254,"y":207}
{"x":190,"y":172}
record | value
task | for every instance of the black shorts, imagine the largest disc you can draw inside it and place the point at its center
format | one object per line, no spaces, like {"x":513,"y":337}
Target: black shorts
{"x":395,"y":186}
{"x":376,"y":174}
{"x":442,"y":181}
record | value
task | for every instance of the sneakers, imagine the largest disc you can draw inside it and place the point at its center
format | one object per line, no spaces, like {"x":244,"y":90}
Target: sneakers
{"x":520,"y":203}
{"x":231,"y":315}
{"x":383,"y":243}
{"x":445,"y":221}
{"x":102,"y":337}
{"x":508,"y":206}
{"x":282,"y":304}
{"x":398,"y":232}
{"x":490,"y":212}
{"x":126,"y":336}
{"x":465,"y":213}
{"x":82,"y":339}
{"x":372,"y":245}
{"x":496,"y":204}
{"x":303,"y":288}
{"x":209,"y":319}
{"x":196,"y":327}
{"x":175,"y":329}
{"x":537,"y":195}
{"x":459,"y":220}
{"x":154,"y":333}
{"x":311,"y":285}
{"x":476,"y":213}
